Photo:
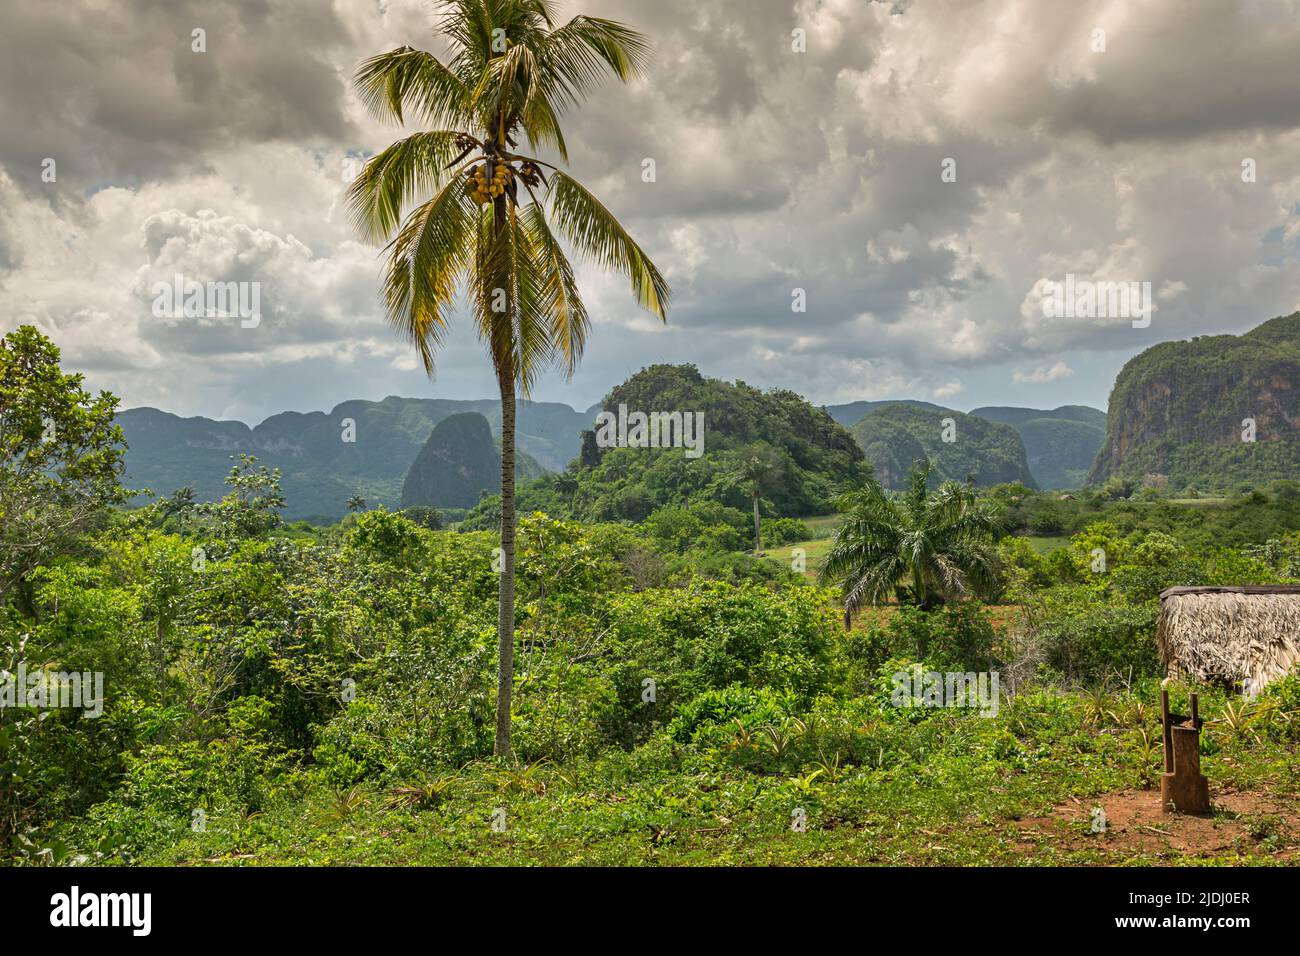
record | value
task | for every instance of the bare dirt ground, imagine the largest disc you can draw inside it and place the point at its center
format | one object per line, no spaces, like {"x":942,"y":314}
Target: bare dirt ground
{"x":1243,"y":822}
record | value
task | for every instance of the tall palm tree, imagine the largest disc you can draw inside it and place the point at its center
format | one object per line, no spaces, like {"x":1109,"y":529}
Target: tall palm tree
{"x":938,"y":541}
{"x":755,"y":474}
{"x":486,"y":226}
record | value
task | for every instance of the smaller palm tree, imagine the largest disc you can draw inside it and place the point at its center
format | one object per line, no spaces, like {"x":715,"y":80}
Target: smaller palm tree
{"x":923,"y":546}
{"x":356,"y":503}
{"x":567,"y":485}
{"x":756,"y":473}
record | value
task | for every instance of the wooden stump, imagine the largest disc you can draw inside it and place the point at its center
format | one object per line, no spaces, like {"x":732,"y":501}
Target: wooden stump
{"x":1182,"y":786}
{"x":1186,"y":788}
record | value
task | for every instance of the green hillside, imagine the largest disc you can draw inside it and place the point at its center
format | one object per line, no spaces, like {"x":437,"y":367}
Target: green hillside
{"x":811,"y":456}
{"x":894,"y":436}
{"x":1060,"y":444}
{"x":1179,"y":411}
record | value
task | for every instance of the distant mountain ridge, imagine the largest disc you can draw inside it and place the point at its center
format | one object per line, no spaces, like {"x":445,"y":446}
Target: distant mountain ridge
{"x":1015,"y":415}
{"x":320,"y":469}
{"x":851,"y":413}
{"x":1060,"y":444}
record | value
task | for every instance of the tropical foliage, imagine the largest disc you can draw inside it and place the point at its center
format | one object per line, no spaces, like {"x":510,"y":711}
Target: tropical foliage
{"x":280,"y":693}
{"x":925,"y":547}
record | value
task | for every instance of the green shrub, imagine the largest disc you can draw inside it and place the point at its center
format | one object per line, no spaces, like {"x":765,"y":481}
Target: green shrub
{"x":725,"y":706}
{"x":708,"y":637}
{"x":785,"y":531}
{"x":957,"y":636}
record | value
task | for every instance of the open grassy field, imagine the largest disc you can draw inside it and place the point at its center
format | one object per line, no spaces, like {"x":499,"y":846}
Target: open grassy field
{"x":823,"y":526}
{"x":815,"y":549}
{"x":1046,"y":544}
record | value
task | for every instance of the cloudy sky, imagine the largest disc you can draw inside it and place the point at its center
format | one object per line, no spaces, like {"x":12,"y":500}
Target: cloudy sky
{"x":1109,"y":140}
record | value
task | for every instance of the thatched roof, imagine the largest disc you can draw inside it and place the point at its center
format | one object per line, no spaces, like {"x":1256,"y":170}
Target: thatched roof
{"x":1245,"y":634}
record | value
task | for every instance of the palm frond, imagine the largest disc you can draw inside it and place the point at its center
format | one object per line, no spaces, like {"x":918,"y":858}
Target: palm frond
{"x":390,"y":84}
{"x":393,"y":178}
{"x":597,"y":234}
{"x":938,"y":539}
{"x":426,"y":261}
{"x":583,"y":48}
{"x":509,"y":72}
{"x":570,"y":323}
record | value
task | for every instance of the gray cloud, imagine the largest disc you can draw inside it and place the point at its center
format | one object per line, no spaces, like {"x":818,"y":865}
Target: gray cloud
{"x":776,"y":170}
{"x":115,"y":93}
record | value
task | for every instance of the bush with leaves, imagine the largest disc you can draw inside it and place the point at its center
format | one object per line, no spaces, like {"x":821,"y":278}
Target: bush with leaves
{"x":710,"y":636}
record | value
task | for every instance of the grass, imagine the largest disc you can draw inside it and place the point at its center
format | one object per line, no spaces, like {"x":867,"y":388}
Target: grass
{"x":1046,"y":544}
{"x":823,"y":526}
{"x":823,"y":529}
{"x":814,"y":551}
{"x":951,"y":789}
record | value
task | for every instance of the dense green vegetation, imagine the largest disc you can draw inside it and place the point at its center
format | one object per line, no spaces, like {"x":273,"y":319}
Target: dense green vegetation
{"x":1237,"y":521}
{"x":298,"y":694}
{"x":331,"y":702}
{"x":809,"y":457}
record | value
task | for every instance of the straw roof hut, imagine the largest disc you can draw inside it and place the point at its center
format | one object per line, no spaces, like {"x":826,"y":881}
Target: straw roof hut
{"x":1248,"y":635}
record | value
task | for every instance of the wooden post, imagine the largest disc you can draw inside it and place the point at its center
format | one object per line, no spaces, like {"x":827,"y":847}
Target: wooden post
{"x":1164,"y":727}
{"x":1182,"y":785}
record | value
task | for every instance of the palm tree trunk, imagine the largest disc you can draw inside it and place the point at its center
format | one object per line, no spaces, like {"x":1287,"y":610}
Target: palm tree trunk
{"x":506,"y":604}
{"x":758,"y":541}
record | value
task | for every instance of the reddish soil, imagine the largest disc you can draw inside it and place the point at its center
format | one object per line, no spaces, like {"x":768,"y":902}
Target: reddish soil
{"x":1244,"y":822}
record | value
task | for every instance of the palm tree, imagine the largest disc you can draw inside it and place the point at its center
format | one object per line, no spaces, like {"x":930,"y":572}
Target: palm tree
{"x":511,"y":73}
{"x":938,"y":541}
{"x":676,"y":469}
{"x":356,"y":503}
{"x":755,"y":473}
{"x":567,"y":485}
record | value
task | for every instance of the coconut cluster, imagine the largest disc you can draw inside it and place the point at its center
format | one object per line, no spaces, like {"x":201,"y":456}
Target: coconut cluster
{"x":486,"y":186}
